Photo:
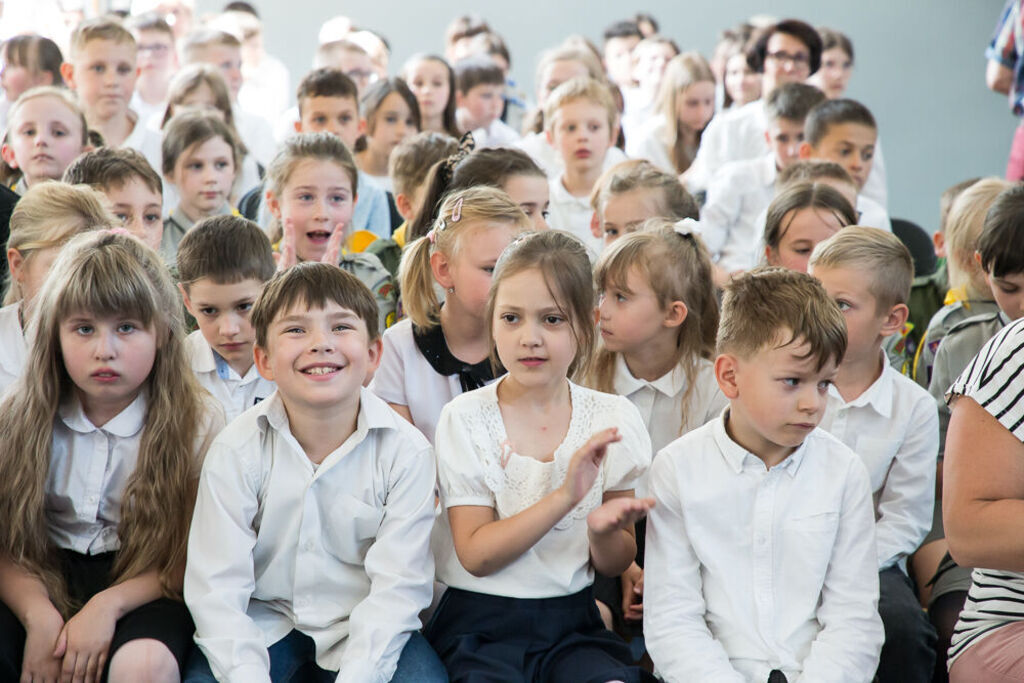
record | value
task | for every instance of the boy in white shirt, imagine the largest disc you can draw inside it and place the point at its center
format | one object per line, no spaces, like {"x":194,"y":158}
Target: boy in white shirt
{"x":760,"y":558}
{"x":890,"y":422}
{"x":310,"y":539}
{"x":479,"y":100}
{"x":223,"y":263}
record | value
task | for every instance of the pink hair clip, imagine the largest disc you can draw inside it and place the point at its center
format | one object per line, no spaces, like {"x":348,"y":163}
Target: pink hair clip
{"x":457,"y":211}
{"x":432,"y":236}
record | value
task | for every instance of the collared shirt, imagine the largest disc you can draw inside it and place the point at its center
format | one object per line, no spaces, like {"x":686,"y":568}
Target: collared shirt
{"x":737,"y":195}
{"x":1007,"y":48}
{"x":894,"y":427}
{"x":648,"y":142}
{"x":234,"y":393}
{"x":749,"y":569}
{"x":497,"y":134}
{"x":572,"y":214}
{"x":551,"y":162}
{"x":13,"y":347}
{"x":146,"y":141}
{"x":339,"y":551}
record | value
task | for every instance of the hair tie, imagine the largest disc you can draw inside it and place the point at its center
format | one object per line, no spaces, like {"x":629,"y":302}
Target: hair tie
{"x":687,"y":227}
{"x":432,"y":236}
{"x":466,"y":145}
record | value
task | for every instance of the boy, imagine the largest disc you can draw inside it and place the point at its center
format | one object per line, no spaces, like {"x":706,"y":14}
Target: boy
{"x":844,"y":132}
{"x":890,"y":422}
{"x":760,"y":557}
{"x":102,"y":72}
{"x":223,"y":263}
{"x":310,"y":539}
{"x":619,"y":40}
{"x":132,"y":187}
{"x":581,"y":121}
{"x":479,"y":101}
{"x":742,"y":189}
{"x":158,"y":61}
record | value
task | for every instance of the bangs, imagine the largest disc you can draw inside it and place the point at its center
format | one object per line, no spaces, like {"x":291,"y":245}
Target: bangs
{"x":628,"y":253}
{"x":103,"y":287}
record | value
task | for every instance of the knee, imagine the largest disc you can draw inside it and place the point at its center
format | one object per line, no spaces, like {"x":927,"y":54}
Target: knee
{"x":145,"y":660}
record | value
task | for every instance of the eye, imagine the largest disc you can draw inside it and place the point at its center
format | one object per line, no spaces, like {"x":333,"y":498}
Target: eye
{"x":83,"y":330}
{"x":208,"y":311}
{"x":824,"y":384}
{"x":124,"y":70}
{"x":553,"y":319}
{"x":620,"y":297}
{"x":319,"y":119}
{"x":339,"y":198}
{"x":545,"y":213}
{"x":244,"y":307}
{"x":294,"y":329}
{"x":611,"y":232}
{"x":152,"y":218}
{"x":487,"y":269}
{"x":304,"y":197}
{"x":123,"y":217}
{"x":194,"y":165}
{"x":126,"y":328}
{"x":843,"y":305}
{"x":342,"y":327}
{"x":510,"y":318}
{"x":221,"y":165}
{"x":98,"y":68}
{"x":791,"y":381}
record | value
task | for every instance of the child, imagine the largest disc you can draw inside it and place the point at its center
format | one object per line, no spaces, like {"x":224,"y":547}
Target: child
{"x":223,"y":263}
{"x":102,"y":547}
{"x":684,"y":105}
{"x":432,"y":81}
{"x":132,"y":188}
{"x":803,"y":215}
{"x":349,"y":58}
{"x":628,"y":194}
{"x":200,"y":157}
{"x":741,"y":190}
{"x":390,"y":114}
{"x":844,"y":131}
{"x":46,"y":131}
{"x":46,"y":217}
{"x":322,"y":497}
{"x":442,"y":351}
{"x":582,"y":122}
{"x":836,"y":63}
{"x":409,"y":166}
{"x":742,"y":84}
{"x":890,"y":422}
{"x":650,"y":58}
{"x":479,"y":100}
{"x":620,"y":39}
{"x":157,"y":59}
{"x":28,"y":61}
{"x":522,"y":463}
{"x":760,"y":556}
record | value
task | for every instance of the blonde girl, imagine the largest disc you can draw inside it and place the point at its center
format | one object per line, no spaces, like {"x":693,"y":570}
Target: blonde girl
{"x":630,"y":193}
{"x":536,"y":477}
{"x":432,"y":81}
{"x":390,"y":114}
{"x":802,"y":215}
{"x":683,"y":108}
{"x":46,"y":130}
{"x":44,"y":219}
{"x":440,"y":351}
{"x":91,"y":559}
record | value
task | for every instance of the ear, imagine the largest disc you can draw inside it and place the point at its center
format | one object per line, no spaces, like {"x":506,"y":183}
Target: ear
{"x":362,"y":126}
{"x":7,"y":152}
{"x":403,"y":205}
{"x":939,"y":242}
{"x":977,"y":259}
{"x":460,"y":99}
{"x":374,"y":351}
{"x":441,"y":268}
{"x":187,"y":300}
{"x":262,"y":361}
{"x":895,"y":320}
{"x":614,"y":135}
{"x":595,"y":226}
{"x":726,"y":368}
{"x":298,"y":126}
{"x":767,"y":139}
{"x":273,"y":204}
{"x":805,"y":150}
{"x":770,"y":256}
{"x":15,"y":264}
{"x":67,"y":72}
{"x":675,"y":314}
{"x":549,"y":137}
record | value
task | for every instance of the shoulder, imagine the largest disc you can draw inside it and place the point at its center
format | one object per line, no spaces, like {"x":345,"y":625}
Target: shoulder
{"x":981,"y":324}
{"x":826,"y":453}
{"x":907,"y":392}
{"x":471,"y":402}
{"x":946,"y":317}
{"x":400,"y":334}
{"x":380,"y":414}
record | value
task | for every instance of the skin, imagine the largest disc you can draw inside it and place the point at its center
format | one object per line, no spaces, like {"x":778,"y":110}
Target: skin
{"x":157,"y":61}
{"x":428,"y":80}
{"x":392,"y":123}
{"x":618,"y":58}
{"x":851,"y":145}
{"x":204,"y":175}
{"x":649,"y":65}
{"x":834,"y":74}
{"x":784,"y":138}
{"x":44,"y":138}
{"x":480,"y":106}
{"x":103,"y":74}
{"x":695,"y":105}
{"x":30,"y":270}
{"x":337,"y":115}
{"x":140,"y":210}
{"x":226,"y":58}
{"x":531,"y":193}
{"x":1007,"y":290}
{"x":222,"y":312}
{"x":582,"y":135}
{"x":778,"y":71}
{"x":556,"y":73}
{"x":626,"y":212}
{"x":16,"y":79}
{"x":807,"y":227}
{"x":742,"y":83}
{"x":316,"y":202}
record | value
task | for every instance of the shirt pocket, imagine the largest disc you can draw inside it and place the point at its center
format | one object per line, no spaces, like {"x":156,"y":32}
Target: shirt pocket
{"x":351,"y":528}
{"x":877,"y":455}
{"x":810,"y":539}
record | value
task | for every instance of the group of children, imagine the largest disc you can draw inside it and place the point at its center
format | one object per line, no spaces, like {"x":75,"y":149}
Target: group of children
{"x":389,"y":402}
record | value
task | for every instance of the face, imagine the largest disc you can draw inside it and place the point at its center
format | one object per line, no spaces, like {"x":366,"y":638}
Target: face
{"x":317,"y":198}
{"x":534,"y":339}
{"x":16,"y":79}
{"x":742,"y":83}
{"x":140,"y":209}
{"x":392,"y":124}
{"x":482,"y":105}
{"x":695,"y":105}
{"x":337,"y":115}
{"x":108,"y":359}
{"x":30,"y":272}
{"x":468,"y":271}
{"x":44,"y":138}
{"x":200,"y":97}
{"x":222,"y":312}
{"x":104,"y":77}
{"x":787,"y":60}
{"x":156,"y":56}
{"x":204,"y":174}
{"x":650,"y":63}
{"x":359,"y":67}
{"x":784,"y":138}
{"x":852,"y":146}
{"x":581,"y":134}
{"x":1008,"y":291}
{"x":834,"y":74}
{"x":229,"y":60}
{"x":428,"y":80}
{"x":618,"y":58}
{"x":807,"y":227}
{"x":625,"y":212}
{"x":557,"y":73}
{"x":530,"y":192}
{"x":318,"y":357}
{"x":631,"y":316}
{"x":864,"y":320}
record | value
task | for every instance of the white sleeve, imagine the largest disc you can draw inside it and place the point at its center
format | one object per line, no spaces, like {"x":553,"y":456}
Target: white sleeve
{"x":875,"y":187}
{"x":677,"y":636}
{"x":389,"y":381}
{"x":628,"y":459}
{"x":721,"y":211}
{"x":710,"y":154}
{"x":461,"y":471}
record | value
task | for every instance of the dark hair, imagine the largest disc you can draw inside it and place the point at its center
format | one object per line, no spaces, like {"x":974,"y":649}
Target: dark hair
{"x":225,"y":249}
{"x":151,"y":21}
{"x":804,"y":195}
{"x":35,"y":53}
{"x":831,"y":38}
{"x":830,"y":113}
{"x":414,"y":156}
{"x":622,"y":29}
{"x":465,"y":26}
{"x":326,"y":82}
{"x":241,"y":6}
{"x":448,"y":117}
{"x":375,"y":95}
{"x":473,"y":71}
{"x":792,"y":101}
{"x":1001,"y":243}
{"x":109,"y":168}
{"x":800,"y":30}
{"x":194,"y":128}
{"x":646,"y":17}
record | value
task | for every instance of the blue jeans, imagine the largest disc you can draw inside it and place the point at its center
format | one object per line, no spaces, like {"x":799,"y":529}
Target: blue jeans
{"x":293,"y":659}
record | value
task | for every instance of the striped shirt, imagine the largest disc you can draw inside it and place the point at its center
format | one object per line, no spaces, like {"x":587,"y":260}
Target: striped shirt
{"x":1007,"y":48}
{"x":995,"y":379}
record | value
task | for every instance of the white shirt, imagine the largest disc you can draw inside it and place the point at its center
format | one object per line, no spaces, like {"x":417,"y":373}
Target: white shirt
{"x":872,"y":214}
{"x":498,"y":134}
{"x":13,"y":347}
{"x":551,"y":162}
{"x":266,"y":88}
{"x":648,"y":142}
{"x":257,"y":134}
{"x":749,"y":570}
{"x":147,"y":141}
{"x":894,"y":427}
{"x":476,"y":466}
{"x":235,"y":394}
{"x":148,"y":113}
{"x":737,"y":195}
{"x":339,"y":551}
{"x":572,"y":214}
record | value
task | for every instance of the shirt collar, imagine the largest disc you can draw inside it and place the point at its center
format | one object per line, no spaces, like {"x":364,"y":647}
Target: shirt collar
{"x":128,"y":422}
{"x":736,"y":456}
{"x":767,"y":170}
{"x":559,"y":193}
{"x":879,"y":396}
{"x":669,"y":384}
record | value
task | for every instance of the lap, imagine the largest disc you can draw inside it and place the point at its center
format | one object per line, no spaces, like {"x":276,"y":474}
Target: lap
{"x":996,"y":658}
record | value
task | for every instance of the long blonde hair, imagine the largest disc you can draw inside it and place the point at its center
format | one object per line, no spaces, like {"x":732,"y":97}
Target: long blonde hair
{"x":677,"y":268}
{"x":682,"y":71}
{"x":104,"y":273}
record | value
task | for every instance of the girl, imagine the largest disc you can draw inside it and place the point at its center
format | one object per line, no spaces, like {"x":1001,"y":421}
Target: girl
{"x":522,"y":463}
{"x":685,"y":105}
{"x":742,"y":84}
{"x":432,"y":80}
{"x":28,"y":61}
{"x":650,"y":59}
{"x":46,"y":217}
{"x":46,"y":130}
{"x":629,"y":193}
{"x":802,"y":215}
{"x":833,"y":75}
{"x":390,"y":114}
{"x":91,"y":558}
{"x":441,"y":351}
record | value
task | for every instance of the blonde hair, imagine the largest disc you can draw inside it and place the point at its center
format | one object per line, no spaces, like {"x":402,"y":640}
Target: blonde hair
{"x":590,"y":89}
{"x":878,"y":254}
{"x":203,"y":38}
{"x":963,"y":227}
{"x":462,"y":212}
{"x":49,"y":215}
{"x":100,"y":28}
{"x":677,"y":268}
{"x":534,"y":120}
{"x":104,"y":273}
{"x":9,"y":174}
{"x":564,"y":264}
{"x":640,"y":174}
{"x":681,"y":72}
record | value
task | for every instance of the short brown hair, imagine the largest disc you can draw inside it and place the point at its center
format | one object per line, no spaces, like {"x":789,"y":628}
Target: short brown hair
{"x":313,"y":285}
{"x":326,"y":82}
{"x":829,"y":113}
{"x":412,"y":159}
{"x":881,"y":256}
{"x":100,"y":28}
{"x":478,"y":70}
{"x":225,"y":249}
{"x":1001,"y":243}
{"x":761,"y":306}
{"x":107,"y":168}
{"x":636,"y":174}
{"x":792,"y":101}
{"x":810,"y":170}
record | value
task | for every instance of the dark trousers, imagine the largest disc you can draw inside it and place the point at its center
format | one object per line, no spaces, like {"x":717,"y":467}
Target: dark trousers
{"x":908,"y":655}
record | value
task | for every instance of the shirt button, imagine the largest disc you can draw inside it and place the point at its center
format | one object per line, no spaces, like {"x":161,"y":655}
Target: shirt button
{"x":92,"y":499}
{"x":309,"y":546}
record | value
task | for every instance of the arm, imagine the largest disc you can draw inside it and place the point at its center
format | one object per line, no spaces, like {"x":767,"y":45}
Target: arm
{"x":721,"y":211}
{"x":998,"y":77}
{"x":983,"y":490}
{"x":1001,"y":54}
{"x":27,"y":597}
{"x":402,"y":410}
{"x":610,"y":530}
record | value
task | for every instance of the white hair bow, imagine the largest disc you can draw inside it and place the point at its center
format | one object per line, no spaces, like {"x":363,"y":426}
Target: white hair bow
{"x":687,"y":227}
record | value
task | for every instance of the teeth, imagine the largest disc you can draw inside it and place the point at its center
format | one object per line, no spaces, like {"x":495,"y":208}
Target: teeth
{"x":323,"y":370}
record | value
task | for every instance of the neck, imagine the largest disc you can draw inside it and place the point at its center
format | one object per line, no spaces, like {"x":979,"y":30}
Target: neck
{"x":241,"y":366}
{"x":189,"y":212}
{"x":579,"y":181}
{"x":101,"y":412}
{"x":542,"y":399}
{"x":857,"y":374}
{"x":373,"y":161}
{"x":152,"y":90}
{"x":465,"y":334}
{"x":321,"y":431}
{"x":652,"y":359}
{"x":771,"y":454}
{"x":114,"y":130}
{"x":434,"y":123}
{"x":462,"y":122}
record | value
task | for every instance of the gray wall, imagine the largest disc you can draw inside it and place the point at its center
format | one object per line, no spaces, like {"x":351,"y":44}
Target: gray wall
{"x":920,"y":64}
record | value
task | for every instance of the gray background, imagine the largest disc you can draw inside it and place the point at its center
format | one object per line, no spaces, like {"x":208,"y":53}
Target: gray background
{"x":919,"y":64}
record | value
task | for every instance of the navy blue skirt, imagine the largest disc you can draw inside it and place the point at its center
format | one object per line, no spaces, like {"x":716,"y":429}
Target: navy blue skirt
{"x":493,"y":639}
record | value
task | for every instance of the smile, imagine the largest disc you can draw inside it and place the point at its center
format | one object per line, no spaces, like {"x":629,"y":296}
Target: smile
{"x":321,"y":370}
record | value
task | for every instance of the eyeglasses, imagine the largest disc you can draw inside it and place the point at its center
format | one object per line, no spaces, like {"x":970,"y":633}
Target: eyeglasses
{"x":799,"y":59}
{"x":155,"y":48}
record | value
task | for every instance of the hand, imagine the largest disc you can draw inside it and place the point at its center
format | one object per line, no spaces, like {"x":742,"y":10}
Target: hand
{"x":618,"y":513}
{"x":85,"y":641}
{"x":41,"y":633}
{"x":633,"y":593}
{"x":286,"y":258}
{"x":333,"y":253}
{"x":586,"y":464}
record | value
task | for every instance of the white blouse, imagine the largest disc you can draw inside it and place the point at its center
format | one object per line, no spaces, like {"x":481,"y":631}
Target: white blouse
{"x":477,"y":466}
{"x":13,"y":347}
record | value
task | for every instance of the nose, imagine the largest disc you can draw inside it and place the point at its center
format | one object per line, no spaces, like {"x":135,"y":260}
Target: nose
{"x":229,"y":326}
{"x":530,"y":332}
{"x":320,"y":340}
{"x":809,"y":400}
{"x":106,"y":344}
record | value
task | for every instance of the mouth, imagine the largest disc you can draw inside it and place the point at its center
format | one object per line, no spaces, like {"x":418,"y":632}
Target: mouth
{"x":211,"y":195}
{"x":232,"y":346}
{"x":532,"y":361}
{"x":318,"y":236}
{"x":583,"y":154}
{"x":805,"y":426}
{"x":321,"y":371}
{"x":105,"y":375}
